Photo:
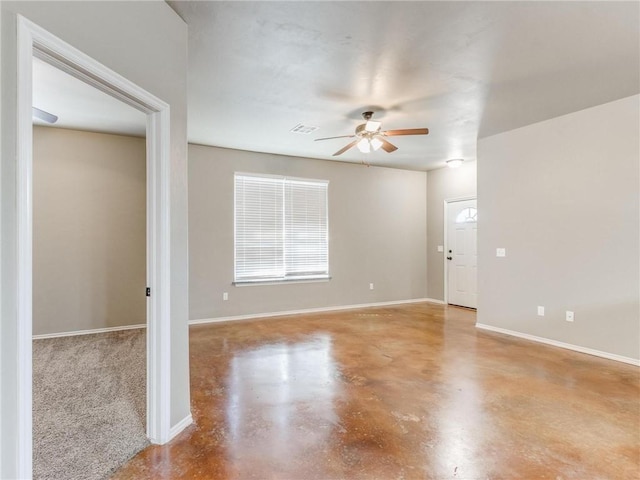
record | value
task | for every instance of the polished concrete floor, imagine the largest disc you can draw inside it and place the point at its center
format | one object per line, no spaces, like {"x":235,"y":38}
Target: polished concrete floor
{"x":407,"y":392}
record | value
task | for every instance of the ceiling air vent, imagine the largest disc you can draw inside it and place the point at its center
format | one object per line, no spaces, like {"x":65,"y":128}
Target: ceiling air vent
{"x":306,"y":129}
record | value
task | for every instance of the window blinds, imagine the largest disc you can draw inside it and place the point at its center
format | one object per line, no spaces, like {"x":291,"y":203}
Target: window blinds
{"x":281,"y":229}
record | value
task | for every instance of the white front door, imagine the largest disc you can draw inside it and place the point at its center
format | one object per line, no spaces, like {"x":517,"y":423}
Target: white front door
{"x":462,"y":253}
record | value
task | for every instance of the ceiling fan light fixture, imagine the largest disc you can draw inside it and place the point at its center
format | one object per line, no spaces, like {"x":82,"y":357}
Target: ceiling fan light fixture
{"x":376,"y":143}
{"x":368,"y":136}
{"x":372,"y":126}
{"x":454,"y":162}
{"x":364,"y":146}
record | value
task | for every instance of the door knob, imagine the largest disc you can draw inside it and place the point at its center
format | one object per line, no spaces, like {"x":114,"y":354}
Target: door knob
{"x":449,"y":258}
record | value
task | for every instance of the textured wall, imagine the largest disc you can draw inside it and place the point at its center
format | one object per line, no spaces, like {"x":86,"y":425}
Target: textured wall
{"x":562,"y":197}
{"x":377,"y":230}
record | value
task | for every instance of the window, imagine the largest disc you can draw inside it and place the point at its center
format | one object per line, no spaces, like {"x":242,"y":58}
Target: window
{"x":281,"y":229}
{"x":468,"y":215}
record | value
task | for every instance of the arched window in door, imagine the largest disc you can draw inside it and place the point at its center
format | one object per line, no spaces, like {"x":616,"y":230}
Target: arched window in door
{"x":468,"y":215}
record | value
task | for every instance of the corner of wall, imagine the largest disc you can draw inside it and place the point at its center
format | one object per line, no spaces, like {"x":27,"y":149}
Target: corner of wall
{"x":443,"y":184}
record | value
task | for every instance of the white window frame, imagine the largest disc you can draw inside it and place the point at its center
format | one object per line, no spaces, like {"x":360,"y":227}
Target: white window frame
{"x":286,"y":278}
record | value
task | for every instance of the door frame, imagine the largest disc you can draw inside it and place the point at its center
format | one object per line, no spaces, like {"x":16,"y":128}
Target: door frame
{"x":445,"y":222}
{"x":34,"y":41}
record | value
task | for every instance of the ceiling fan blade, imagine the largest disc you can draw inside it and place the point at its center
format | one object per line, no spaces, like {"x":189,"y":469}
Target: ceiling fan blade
{"x":406,"y":131}
{"x":330,"y":138}
{"x":344,"y":149}
{"x":387,"y":146}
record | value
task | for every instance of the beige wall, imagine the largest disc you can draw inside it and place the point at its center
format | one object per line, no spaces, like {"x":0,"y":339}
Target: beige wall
{"x":89,"y":239}
{"x":443,"y":184}
{"x":377,"y":229}
{"x":562,"y":197}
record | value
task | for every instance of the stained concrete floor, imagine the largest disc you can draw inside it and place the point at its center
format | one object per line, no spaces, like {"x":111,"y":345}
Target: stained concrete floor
{"x":406,"y":392}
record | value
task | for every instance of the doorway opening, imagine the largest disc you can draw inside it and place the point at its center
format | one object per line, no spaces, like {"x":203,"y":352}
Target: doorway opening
{"x":89,"y":278}
{"x":35,"y":42}
{"x":461,"y":252}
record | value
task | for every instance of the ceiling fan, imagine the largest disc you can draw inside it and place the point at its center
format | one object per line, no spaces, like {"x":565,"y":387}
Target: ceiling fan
{"x":369,"y":137}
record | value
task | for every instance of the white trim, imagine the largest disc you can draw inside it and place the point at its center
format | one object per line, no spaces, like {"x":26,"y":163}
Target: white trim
{"x":555,"y":343}
{"x":461,"y":199}
{"x":88,"y":332}
{"x":308,"y":310}
{"x":158,"y":277}
{"x":435,"y":300}
{"x":256,"y":283}
{"x":24,"y":220}
{"x":280,"y":177}
{"x":180,"y":426}
{"x":445,"y":222}
{"x":1,"y":289}
{"x":35,"y":41}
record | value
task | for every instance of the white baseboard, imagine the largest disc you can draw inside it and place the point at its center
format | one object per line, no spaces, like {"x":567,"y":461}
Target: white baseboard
{"x":87,"y":332}
{"x":308,"y":310}
{"x":555,"y":343}
{"x":180,"y":426}
{"x":435,"y":300}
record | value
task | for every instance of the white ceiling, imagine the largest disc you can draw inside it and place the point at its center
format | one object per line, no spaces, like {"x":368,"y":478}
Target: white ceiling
{"x":80,"y":106}
{"x":463,"y":69}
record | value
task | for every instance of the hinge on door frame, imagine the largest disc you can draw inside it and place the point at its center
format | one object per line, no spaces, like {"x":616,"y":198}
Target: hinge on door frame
{"x":148,"y":292}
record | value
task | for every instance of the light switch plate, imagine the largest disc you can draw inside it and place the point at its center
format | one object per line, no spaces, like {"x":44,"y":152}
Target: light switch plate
{"x":569,"y":316}
{"x":441,"y":248}
{"x":541,"y":311}
{"x":501,"y":252}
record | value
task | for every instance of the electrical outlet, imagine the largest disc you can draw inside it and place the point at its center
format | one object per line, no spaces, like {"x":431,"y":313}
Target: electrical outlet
{"x":541,"y":311}
{"x":569,"y":317}
{"x":225,"y":296}
{"x":501,"y":252}
{"x":371,"y":286}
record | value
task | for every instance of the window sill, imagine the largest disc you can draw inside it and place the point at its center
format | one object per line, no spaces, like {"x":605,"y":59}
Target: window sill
{"x":280,"y":282}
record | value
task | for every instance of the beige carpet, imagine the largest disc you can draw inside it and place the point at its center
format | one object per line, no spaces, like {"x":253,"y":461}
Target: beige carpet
{"x":89,"y":404}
